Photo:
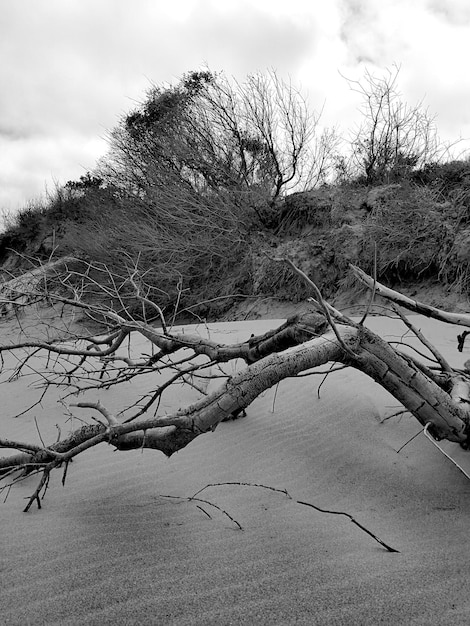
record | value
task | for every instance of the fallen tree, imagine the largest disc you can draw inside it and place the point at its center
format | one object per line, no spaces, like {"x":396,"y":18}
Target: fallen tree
{"x":438,"y":395}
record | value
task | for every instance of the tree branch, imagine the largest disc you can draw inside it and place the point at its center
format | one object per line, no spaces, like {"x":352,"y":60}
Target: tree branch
{"x":461,"y":319}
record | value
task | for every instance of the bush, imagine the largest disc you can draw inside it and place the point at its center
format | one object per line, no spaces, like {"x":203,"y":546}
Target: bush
{"x":184,"y":245}
{"x":23,"y":228}
{"x":412,"y":231}
{"x":393,"y":138}
{"x":445,"y":177}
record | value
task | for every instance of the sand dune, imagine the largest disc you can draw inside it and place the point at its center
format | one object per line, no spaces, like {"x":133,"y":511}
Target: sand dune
{"x":110,"y":549}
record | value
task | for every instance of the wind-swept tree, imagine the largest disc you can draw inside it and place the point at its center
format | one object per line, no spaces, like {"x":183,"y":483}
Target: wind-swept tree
{"x":194,"y":170}
{"x":253,"y":140}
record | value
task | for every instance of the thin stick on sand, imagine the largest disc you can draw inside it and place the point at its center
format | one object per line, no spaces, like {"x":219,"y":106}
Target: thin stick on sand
{"x":286,"y":493}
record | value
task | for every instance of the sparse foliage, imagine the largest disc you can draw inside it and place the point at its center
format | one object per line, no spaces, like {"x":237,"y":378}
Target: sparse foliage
{"x":193,"y":170}
{"x":393,"y":138}
{"x":412,"y":230}
{"x":255,"y":140}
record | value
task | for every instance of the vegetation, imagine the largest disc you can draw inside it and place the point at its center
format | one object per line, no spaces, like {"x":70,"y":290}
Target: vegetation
{"x":393,"y":138}
{"x":76,"y":363}
{"x":208,"y":176}
{"x":211,"y":190}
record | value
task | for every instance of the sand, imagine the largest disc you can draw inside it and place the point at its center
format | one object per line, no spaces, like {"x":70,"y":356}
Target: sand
{"x":109,"y":548}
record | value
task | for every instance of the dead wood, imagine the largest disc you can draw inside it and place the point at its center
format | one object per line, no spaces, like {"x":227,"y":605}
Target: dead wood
{"x":439,"y":400}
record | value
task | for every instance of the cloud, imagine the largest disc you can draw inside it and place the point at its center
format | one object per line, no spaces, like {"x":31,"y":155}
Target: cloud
{"x":70,"y":63}
{"x":242,"y":38}
{"x":69,"y":70}
{"x":74,"y":67}
{"x":456,"y":12}
{"x":421,"y":37}
{"x":33,"y":165}
{"x":377,"y":33}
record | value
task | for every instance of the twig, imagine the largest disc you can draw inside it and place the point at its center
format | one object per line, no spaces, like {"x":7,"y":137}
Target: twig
{"x":372,"y":293}
{"x":241,"y":484}
{"x":43,"y":483}
{"x":408,"y":345}
{"x":112,"y":421}
{"x":354,"y":521}
{"x":325,"y":308}
{"x":18,"y":445}
{"x":204,"y":511}
{"x":321,"y":372}
{"x":441,"y":360}
{"x":396,"y":414}
{"x":64,"y":475}
{"x":7,"y":490}
{"x":285,"y":492}
{"x":149,"y":302}
{"x":332,"y":369}
{"x":158,"y":393}
{"x":193,"y":499}
{"x":32,"y":405}
{"x":428,"y":435}
{"x":409,"y":441}
{"x":39,"y":432}
{"x":179,"y":291}
{"x":274,"y":397}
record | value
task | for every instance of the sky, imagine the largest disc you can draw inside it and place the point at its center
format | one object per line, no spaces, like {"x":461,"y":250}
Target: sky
{"x":70,"y":69}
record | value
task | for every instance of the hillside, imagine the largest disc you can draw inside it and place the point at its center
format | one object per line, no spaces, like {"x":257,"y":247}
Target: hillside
{"x":419,"y":229}
{"x":196,"y":197}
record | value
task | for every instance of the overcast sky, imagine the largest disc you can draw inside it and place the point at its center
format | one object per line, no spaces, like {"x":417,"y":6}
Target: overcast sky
{"x":70,"y":68}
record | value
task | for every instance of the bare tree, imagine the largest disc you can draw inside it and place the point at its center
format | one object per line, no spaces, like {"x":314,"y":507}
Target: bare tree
{"x":292,"y":152}
{"x":437,"y":395}
{"x":193,"y":171}
{"x":393,"y":137}
{"x":255,"y":139}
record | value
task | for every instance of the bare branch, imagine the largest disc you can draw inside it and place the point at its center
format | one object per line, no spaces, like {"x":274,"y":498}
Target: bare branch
{"x":461,"y":319}
{"x":441,"y":360}
{"x":110,"y":418}
{"x":325,"y":307}
{"x":353,"y":520}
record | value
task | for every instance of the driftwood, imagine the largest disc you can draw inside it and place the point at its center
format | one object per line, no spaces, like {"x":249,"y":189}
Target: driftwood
{"x":439,"y":398}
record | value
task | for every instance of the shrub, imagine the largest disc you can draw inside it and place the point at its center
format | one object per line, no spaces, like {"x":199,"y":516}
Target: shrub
{"x":412,"y":232}
{"x":448,"y":177}
{"x":23,"y":228}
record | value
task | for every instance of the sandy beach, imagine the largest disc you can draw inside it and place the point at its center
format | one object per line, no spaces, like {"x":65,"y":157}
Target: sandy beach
{"x":110,"y":548}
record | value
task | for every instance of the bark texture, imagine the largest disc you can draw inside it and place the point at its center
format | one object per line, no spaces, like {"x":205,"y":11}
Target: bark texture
{"x":439,"y":401}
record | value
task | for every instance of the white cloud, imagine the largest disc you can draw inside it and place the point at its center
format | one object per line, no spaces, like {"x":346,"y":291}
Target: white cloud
{"x":68,"y":70}
{"x":245,"y":41}
{"x":35,"y":164}
{"x":456,"y":12}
